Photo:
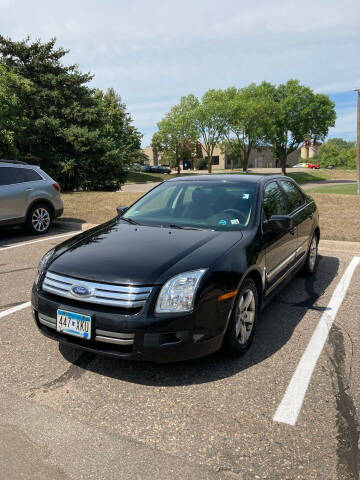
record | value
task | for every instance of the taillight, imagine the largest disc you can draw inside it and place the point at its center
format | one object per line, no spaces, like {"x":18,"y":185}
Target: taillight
{"x":56,"y":186}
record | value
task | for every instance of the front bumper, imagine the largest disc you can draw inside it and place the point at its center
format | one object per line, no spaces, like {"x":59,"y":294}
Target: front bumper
{"x":141,"y":336}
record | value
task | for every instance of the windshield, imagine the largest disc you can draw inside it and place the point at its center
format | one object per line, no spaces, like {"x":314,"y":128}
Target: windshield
{"x":217,"y":206}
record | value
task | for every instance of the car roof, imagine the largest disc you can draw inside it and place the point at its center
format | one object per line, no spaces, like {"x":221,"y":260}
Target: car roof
{"x":16,"y":163}
{"x":233,"y":178}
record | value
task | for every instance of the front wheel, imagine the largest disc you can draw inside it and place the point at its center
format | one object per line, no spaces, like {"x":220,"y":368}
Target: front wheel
{"x":241,"y":328}
{"x":311,"y":259}
{"x":39,"y":219}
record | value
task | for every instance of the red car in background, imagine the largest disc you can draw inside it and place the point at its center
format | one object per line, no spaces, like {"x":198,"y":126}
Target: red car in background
{"x":313,"y":165}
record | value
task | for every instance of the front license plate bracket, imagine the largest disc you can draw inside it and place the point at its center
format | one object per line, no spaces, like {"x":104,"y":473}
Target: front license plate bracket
{"x":72,"y":323}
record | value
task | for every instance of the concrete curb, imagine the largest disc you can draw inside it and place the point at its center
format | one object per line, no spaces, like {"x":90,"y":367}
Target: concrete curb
{"x":340,"y":246}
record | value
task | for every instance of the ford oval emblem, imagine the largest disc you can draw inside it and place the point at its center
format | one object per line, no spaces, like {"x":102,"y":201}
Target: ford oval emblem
{"x":80,"y":291}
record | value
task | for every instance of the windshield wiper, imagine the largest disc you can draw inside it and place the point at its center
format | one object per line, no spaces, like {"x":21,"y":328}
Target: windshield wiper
{"x":183,"y":227}
{"x":129,"y":220}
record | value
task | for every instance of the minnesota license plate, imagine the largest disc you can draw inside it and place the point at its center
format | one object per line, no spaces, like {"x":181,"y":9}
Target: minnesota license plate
{"x":74,"y":324}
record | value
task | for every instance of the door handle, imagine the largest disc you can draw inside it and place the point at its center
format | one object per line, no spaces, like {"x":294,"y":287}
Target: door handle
{"x":293,"y":230}
{"x":311,"y":215}
{"x":29,"y":190}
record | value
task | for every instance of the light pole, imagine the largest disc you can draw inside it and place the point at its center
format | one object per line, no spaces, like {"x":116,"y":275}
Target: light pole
{"x":358,"y":141}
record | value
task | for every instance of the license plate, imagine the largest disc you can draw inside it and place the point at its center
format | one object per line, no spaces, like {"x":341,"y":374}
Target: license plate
{"x":74,"y":324}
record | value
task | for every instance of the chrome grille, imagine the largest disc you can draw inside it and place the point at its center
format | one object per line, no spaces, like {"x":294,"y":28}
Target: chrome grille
{"x":101,"y":293}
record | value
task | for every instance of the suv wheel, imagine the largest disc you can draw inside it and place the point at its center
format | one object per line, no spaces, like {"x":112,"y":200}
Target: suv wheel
{"x":39,"y":219}
{"x":241,"y":328}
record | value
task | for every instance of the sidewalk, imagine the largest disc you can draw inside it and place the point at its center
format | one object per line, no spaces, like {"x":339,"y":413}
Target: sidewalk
{"x":325,"y":182}
{"x":138,"y":187}
{"x":340,"y":246}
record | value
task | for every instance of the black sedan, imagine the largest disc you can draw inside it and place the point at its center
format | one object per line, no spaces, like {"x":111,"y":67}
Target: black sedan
{"x":182,"y":272}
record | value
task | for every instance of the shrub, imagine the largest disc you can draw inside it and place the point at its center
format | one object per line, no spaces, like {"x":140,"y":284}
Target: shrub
{"x":201,"y":164}
{"x":338,"y":152}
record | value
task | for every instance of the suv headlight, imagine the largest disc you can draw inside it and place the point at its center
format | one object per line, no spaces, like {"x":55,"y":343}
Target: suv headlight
{"x":43,"y":264}
{"x":178,"y":293}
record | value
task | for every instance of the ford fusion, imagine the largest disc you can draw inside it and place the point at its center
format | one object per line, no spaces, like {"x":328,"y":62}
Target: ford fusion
{"x":181,"y":273}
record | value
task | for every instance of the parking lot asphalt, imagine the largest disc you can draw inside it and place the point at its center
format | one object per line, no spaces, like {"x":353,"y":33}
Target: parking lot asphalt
{"x":66,"y":414}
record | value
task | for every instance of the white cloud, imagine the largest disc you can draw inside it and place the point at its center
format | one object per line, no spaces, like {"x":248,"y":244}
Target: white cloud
{"x":345,"y":123}
{"x":153,"y":52}
{"x":339,"y":86}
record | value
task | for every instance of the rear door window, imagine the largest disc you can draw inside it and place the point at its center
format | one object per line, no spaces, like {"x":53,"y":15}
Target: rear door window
{"x":10,"y":175}
{"x":273,"y":203}
{"x":294,"y":198}
{"x":30,"y":175}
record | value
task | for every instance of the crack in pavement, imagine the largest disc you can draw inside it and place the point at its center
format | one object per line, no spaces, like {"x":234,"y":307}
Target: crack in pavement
{"x":18,"y":270}
{"x":74,"y":372}
{"x":348,"y":453}
{"x":9,"y":305}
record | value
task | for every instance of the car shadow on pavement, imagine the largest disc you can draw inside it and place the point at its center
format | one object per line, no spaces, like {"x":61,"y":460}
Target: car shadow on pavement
{"x":276,"y":326}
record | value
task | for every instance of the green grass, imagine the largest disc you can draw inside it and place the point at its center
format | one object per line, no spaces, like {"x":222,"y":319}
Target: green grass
{"x":141,"y":177}
{"x":300,"y":177}
{"x":349,"y":189}
{"x":305,"y":177}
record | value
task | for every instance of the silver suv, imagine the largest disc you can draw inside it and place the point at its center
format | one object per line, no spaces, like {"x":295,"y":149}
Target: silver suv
{"x":28,"y":196}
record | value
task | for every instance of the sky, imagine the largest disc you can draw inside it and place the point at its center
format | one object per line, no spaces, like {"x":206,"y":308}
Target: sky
{"x":152,"y":52}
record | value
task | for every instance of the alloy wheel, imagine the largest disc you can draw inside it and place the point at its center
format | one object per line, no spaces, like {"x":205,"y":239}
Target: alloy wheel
{"x":245,"y":316}
{"x":40,"y":219}
{"x":313,"y":253}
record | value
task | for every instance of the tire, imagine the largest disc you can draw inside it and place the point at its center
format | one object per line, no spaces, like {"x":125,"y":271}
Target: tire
{"x":312,"y":256}
{"x":239,"y":335}
{"x":39,"y":219}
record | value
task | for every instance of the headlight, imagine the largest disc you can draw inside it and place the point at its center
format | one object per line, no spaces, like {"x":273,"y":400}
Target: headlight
{"x":178,"y":293}
{"x":43,"y":264}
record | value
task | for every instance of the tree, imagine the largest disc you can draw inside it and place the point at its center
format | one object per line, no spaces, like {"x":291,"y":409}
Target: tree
{"x":338,"y":152}
{"x":176,"y":131}
{"x":245,"y":112}
{"x":77,"y":134}
{"x":296,"y":113}
{"x":156,"y":146}
{"x":208,"y":119}
{"x":60,"y":100}
{"x":13,"y":90}
{"x":114,"y":145}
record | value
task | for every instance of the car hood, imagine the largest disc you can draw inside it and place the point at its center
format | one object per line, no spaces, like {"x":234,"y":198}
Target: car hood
{"x":118,"y":252}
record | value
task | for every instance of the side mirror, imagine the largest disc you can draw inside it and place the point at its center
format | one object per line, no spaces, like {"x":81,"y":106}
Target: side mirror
{"x":278,"y":223}
{"x":121,"y":210}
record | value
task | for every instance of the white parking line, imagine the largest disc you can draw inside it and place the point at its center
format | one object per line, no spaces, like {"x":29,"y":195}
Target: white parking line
{"x":38,"y":241}
{"x":292,"y":401}
{"x":14,"y":309}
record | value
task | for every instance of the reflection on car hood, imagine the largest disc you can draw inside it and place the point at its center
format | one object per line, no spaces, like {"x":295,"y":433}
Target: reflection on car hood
{"x":122,"y":253}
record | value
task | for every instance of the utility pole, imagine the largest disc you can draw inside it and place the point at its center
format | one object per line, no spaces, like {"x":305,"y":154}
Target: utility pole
{"x":358,"y":141}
